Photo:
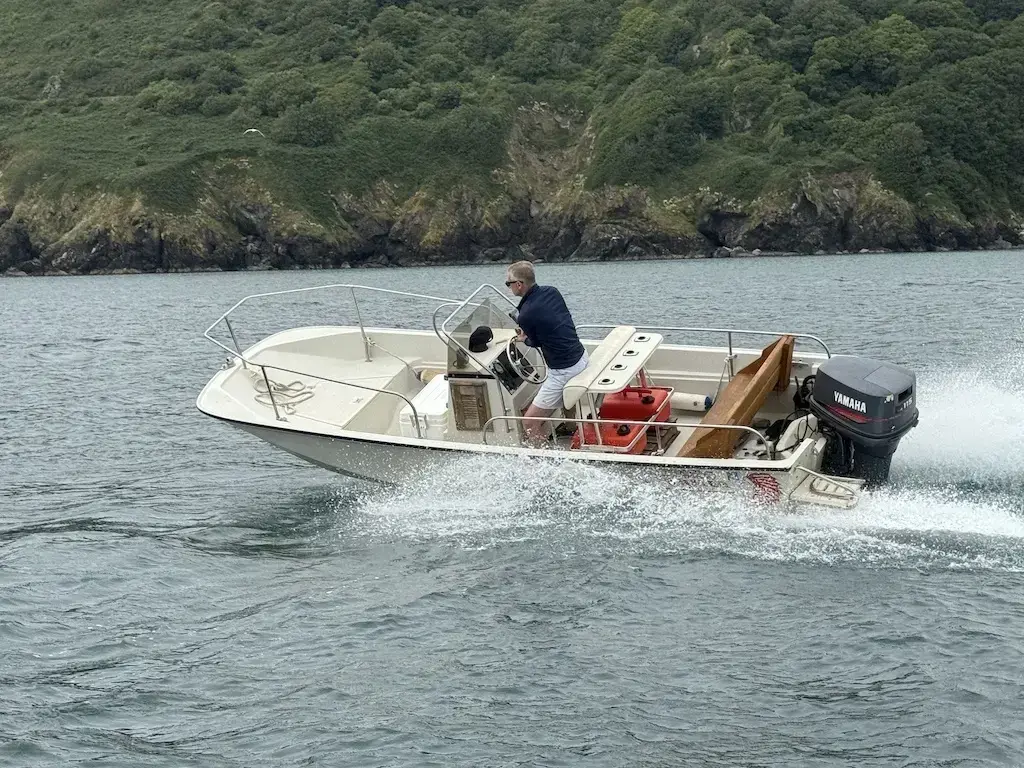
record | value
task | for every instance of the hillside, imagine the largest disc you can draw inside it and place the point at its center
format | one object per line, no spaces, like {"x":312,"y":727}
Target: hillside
{"x":277,"y":133}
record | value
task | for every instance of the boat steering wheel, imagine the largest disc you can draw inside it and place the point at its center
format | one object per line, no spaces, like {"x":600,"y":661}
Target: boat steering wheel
{"x":526,"y":370}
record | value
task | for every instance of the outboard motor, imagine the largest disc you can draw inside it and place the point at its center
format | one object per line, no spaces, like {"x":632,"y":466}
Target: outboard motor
{"x":864,"y":407}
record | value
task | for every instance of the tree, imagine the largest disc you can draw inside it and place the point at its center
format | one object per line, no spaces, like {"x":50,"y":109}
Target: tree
{"x":937,"y":13}
{"x":900,"y":157}
{"x":950,"y":44}
{"x":810,"y":21}
{"x":397,"y":26}
{"x":312,"y":124}
{"x":351,"y":100}
{"x":657,"y":127}
{"x":533,"y":55}
{"x":759,"y":95}
{"x":273,"y":93}
{"x":437,"y":66}
{"x":639,"y":36}
{"x":384,"y":62}
{"x":993,"y":10}
{"x":491,"y":35}
{"x":876,"y":58}
{"x":447,"y":97}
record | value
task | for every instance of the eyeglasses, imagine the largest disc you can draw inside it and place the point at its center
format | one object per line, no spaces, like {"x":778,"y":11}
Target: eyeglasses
{"x":510,"y":283}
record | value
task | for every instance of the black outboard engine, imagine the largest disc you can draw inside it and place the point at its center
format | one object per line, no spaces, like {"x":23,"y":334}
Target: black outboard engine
{"x":863,"y":407}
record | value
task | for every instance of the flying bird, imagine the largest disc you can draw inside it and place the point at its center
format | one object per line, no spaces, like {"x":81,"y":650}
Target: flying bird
{"x":254,"y":130}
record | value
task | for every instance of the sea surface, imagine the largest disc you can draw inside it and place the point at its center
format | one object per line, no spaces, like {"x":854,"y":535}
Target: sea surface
{"x":176,"y":593}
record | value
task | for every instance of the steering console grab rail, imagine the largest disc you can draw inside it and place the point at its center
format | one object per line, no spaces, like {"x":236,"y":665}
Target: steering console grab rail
{"x":443,"y":333}
{"x":469,"y":299}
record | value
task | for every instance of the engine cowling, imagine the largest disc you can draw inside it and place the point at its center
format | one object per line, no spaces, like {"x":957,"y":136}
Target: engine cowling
{"x":865,"y":407}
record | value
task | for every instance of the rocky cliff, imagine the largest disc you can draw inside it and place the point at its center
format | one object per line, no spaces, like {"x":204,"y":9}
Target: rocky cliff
{"x":537,"y":207}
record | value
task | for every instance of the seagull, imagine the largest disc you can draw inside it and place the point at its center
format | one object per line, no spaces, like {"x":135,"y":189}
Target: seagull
{"x":254,"y":130}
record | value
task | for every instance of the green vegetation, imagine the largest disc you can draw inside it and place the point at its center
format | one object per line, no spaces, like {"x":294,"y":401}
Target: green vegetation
{"x":750,"y":98}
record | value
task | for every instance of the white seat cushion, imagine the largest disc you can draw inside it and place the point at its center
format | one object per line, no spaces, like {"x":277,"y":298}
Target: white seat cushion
{"x":605,"y":352}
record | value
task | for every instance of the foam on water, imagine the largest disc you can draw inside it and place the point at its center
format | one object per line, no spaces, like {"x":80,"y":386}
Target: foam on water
{"x":569,"y":507}
{"x":956,"y":501}
{"x":971,"y":428}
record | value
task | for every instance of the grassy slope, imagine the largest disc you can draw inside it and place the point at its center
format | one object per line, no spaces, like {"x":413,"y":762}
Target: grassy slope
{"x":90,"y":133}
{"x":146,"y":102}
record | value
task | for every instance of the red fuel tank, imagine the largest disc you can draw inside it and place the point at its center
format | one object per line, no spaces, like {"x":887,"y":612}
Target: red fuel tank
{"x":614,"y":435}
{"x":637,"y":404}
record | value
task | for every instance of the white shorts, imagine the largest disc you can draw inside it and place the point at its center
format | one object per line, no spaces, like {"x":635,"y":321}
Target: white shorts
{"x":549,"y":397}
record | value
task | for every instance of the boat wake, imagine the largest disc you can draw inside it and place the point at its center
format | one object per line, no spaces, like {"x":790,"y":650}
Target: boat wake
{"x":956,"y":501}
{"x":971,"y":434}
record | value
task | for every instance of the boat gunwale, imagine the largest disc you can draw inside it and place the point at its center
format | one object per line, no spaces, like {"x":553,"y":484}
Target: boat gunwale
{"x":777,"y":465}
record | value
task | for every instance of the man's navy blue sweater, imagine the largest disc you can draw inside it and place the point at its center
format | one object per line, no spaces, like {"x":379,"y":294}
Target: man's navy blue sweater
{"x":547,"y":323}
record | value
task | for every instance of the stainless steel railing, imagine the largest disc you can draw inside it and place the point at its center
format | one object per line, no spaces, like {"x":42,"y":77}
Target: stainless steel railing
{"x":368,"y":344}
{"x":277,"y":410}
{"x":729,"y":333}
{"x":443,"y":332}
{"x":350,"y":286}
{"x":648,"y":423}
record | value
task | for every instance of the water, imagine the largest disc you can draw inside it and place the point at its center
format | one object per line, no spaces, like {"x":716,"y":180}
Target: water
{"x":174,"y":593}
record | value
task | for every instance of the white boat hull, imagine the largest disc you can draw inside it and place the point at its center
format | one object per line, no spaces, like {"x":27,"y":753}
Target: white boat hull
{"x":366,"y":457}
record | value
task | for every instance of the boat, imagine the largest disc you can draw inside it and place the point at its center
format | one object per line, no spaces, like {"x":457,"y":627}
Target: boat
{"x":777,"y":414}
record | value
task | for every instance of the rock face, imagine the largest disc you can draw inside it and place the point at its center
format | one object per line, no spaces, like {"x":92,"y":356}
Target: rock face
{"x":16,"y":248}
{"x":252,"y":242}
{"x":538,"y":208}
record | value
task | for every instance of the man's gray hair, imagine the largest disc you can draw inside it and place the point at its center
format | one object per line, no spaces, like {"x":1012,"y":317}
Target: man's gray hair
{"x":522,"y":270}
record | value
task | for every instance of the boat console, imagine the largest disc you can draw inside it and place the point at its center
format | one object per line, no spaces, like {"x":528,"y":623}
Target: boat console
{"x":509,"y":370}
{"x":489,"y":383}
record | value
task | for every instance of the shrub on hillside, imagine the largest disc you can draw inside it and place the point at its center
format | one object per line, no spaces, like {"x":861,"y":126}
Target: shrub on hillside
{"x":475,"y":136}
{"x":397,"y":26}
{"x":439,"y":67}
{"x":312,"y":124}
{"x":351,"y":100}
{"x":86,"y":68}
{"x":534,"y":53}
{"x":219,"y":104}
{"x":490,"y":34}
{"x":169,"y":98}
{"x":10,"y":107}
{"x":447,"y":97}
{"x":329,"y":50}
{"x":382,"y":59}
{"x":186,"y":67}
{"x":209,"y":34}
{"x":274,"y":93}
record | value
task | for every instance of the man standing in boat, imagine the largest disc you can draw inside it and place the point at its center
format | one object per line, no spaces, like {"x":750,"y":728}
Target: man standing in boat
{"x":544,"y":322}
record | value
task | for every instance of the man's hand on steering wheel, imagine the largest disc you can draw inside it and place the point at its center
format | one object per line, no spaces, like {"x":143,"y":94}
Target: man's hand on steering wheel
{"x":520,"y":364}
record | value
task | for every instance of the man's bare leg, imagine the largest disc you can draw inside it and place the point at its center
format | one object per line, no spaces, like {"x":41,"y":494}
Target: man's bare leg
{"x":537,"y":431}
{"x":570,"y":415}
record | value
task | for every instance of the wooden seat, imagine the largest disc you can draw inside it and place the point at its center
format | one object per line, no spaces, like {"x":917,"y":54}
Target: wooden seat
{"x":742,"y":398}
